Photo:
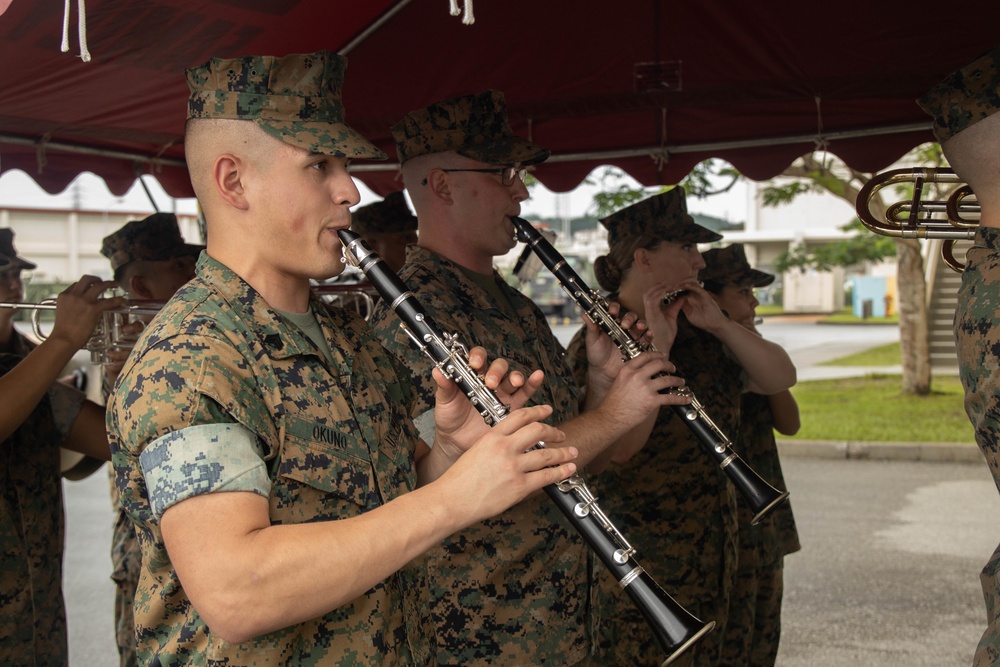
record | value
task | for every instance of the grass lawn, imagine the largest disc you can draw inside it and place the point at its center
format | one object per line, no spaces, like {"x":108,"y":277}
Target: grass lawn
{"x":883,"y":355}
{"x":874,"y":409}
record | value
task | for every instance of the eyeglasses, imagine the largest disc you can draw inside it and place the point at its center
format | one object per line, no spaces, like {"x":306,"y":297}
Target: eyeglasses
{"x":507,"y":174}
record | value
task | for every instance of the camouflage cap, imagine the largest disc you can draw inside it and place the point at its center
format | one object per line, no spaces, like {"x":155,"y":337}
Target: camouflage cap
{"x":153,"y":239}
{"x":664,"y":215}
{"x":964,"y":97}
{"x":729,"y":266}
{"x":10,"y":260}
{"x":389,"y":216}
{"x":475,"y":126}
{"x":296,"y":98}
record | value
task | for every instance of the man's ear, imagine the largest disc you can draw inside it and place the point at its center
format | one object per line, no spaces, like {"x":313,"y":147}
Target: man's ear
{"x":227,"y":174}
{"x":138,"y":288}
{"x":439,"y":185}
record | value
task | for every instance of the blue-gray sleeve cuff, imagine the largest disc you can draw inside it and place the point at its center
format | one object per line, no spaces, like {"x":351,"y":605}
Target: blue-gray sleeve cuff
{"x":208,"y":458}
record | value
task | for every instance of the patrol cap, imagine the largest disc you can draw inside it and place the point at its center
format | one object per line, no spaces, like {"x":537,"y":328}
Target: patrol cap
{"x":8,"y":256}
{"x":664,"y":215}
{"x":152,"y":239}
{"x":389,"y":216}
{"x":474,"y":126}
{"x":729,"y":266}
{"x":964,"y":97}
{"x":295,"y":98}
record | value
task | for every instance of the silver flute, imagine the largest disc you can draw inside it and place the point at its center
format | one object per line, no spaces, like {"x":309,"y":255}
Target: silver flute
{"x":675,"y":628}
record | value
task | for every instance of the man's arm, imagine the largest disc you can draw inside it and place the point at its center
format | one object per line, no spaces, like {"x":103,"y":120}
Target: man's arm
{"x":89,"y":434}
{"x":251,"y":578}
{"x":77,"y":313}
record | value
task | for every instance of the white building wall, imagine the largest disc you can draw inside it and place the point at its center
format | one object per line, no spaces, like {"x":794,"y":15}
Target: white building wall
{"x":67,"y":244}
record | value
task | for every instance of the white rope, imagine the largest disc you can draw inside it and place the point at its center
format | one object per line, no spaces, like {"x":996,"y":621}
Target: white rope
{"x":81,"y":29}
{"x":65,"y":37}
{"x":453,"y":9}
{"x":84,"y":51}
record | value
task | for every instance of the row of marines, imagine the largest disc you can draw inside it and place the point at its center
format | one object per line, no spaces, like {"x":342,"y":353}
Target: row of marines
{"x":296,"y":485}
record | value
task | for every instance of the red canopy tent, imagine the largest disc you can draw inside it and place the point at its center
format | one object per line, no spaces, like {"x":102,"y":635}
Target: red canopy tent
{"x":653,"y":86}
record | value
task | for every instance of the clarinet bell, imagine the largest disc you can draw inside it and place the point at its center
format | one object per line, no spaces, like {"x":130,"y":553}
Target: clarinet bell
{"x":675,"y":627}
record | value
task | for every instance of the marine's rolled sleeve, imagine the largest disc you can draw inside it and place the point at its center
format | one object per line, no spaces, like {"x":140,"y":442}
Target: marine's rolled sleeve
{"x":202,"y":459}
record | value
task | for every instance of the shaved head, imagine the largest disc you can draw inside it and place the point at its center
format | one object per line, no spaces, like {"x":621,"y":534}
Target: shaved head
{"x":205,"y":139}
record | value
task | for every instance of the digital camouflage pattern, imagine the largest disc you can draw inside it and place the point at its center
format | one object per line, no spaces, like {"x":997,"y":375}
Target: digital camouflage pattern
{"x":153,"y":239}
{"x":662,"y":216}
{"x":677,"y":508}
{"x":126,"y":563}
{"x":965,"y":96}
{"x":977,"y":334}
{"x":754,"y":629}
{"x":32,"y":611}
{"x":475,"y":126}
{"x":336,"y":441}
{"x":296,"y":98}
{"x":390,"y":216}
{"x":8,"y":255}
{"x":513,"y":589}
{"x":729,"y":266}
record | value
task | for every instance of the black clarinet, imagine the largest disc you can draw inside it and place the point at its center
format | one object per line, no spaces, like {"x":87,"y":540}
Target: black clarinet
{"x":674,"y":627}
{"x":761,"y":496}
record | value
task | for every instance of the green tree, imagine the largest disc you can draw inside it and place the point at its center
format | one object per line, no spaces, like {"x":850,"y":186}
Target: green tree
{"x":819,"y":172}
{"x":708,"y":178}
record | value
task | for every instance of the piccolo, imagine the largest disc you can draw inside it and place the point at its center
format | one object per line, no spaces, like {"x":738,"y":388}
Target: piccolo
{"x":675,"y":628}
{"x":761,"y":496}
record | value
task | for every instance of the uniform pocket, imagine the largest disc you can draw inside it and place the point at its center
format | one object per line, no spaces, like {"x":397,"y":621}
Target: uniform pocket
{"x":327,"y":464}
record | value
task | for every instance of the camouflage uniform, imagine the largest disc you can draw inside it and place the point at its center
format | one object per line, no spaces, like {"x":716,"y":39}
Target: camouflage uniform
{"x":32,"y":613}
{"x":677,"y":508}
{"x":335,"y":439}
{"x":965,"y":97}
{"x":155,"y":238}
{"x":511,"y":590}
{"x":754,"y":628}
{"x":977,"y":332}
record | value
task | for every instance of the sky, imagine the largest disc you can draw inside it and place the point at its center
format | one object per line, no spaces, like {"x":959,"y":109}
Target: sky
{"x":18,"y":190}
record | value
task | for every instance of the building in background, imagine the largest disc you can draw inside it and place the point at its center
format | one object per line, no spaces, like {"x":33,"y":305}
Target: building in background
{"x":66,"y":244}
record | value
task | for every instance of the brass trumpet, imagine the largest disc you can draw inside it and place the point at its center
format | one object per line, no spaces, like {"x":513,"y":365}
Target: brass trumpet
{"x":952,"y":219}
{"x":109,"y":334}
{"x":112,"y":333}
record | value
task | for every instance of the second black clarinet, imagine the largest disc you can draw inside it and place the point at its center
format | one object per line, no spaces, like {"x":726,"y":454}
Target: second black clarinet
{"x":761,"y":496}
{"x":675,"y":628}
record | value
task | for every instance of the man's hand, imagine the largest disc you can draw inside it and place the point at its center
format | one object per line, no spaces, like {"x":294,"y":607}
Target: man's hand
{"x":501,"y":468}
{"x":604,"y":359}
{"x":79,"y":308}
{"x":458,"y":424}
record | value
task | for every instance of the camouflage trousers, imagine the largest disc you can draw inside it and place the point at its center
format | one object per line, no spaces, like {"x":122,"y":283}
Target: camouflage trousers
{"x":126,"y":558}
{"x":977,"y":334}
{"x":754,"y":626}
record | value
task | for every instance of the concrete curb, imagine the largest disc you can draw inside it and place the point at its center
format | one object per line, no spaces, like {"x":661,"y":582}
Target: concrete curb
{"x":952,"y":452}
